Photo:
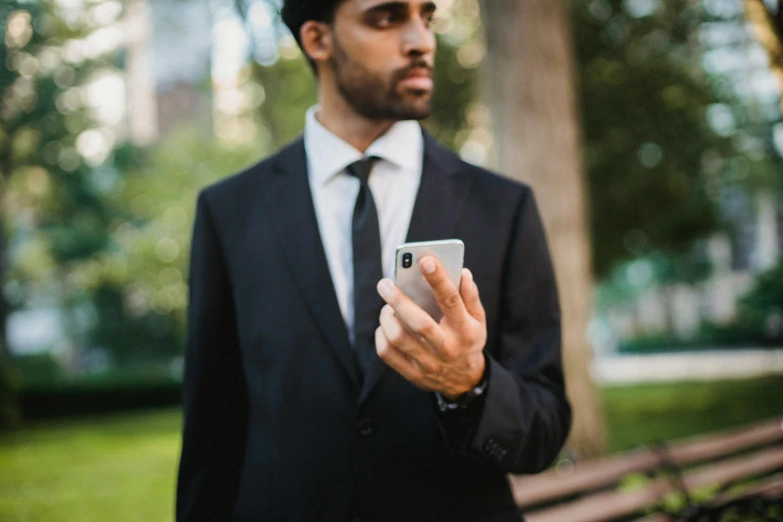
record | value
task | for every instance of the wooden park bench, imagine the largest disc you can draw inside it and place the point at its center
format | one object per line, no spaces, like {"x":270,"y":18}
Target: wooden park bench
{"x":728,"y":467}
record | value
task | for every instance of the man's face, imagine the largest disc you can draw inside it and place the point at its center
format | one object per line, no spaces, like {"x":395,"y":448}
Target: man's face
{"x":383,"y":57}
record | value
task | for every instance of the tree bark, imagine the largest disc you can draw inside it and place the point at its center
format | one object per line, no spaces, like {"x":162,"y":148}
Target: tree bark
{"x":529,"y":89}
{"x":768,"y":30}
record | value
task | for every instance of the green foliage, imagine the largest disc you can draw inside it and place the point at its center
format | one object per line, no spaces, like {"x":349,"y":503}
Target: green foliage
{"x":9,"y":388}
{"x":456,"y":91}
{"x":139,"y":283}
{"x":44,"y":113}
{"x":112,"y":391}
{"x":290,"y":89}
{"x":646,"y":136}
{"x":52,"y":213}
{"x":39,"y":368}
{"x":765,"y":299}
{"x":760,"y":314}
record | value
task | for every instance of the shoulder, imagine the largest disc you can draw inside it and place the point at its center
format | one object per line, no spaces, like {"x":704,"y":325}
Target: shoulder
{"x":503,"y":186}
{"x":247,"y":184}
{"x":484,"y":182}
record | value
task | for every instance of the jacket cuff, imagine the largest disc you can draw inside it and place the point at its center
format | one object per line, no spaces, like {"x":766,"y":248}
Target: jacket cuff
{"x":459,"y":424}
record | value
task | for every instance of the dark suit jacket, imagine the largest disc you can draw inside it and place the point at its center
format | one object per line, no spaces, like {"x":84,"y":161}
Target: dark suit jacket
{"x":276,"y":425}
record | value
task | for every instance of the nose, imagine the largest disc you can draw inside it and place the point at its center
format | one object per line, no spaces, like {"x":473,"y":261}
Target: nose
{"x":418,"y":38}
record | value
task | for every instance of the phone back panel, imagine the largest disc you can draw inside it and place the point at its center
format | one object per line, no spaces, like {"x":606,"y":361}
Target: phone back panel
{"x":410,"y":280}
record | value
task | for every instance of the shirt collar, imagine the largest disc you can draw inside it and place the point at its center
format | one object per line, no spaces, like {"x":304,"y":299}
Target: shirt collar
{"x":401,"y":145}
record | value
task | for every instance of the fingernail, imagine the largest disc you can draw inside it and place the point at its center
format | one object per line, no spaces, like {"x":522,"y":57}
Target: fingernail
{"x":385,"y":288}
{"x":428,"y":265}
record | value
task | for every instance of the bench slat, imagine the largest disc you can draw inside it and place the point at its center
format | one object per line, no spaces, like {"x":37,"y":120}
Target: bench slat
{"x":739,"y":468}
{"x":529,"y":490}
{"x":771,"y":489}
{"x":613,"y":504}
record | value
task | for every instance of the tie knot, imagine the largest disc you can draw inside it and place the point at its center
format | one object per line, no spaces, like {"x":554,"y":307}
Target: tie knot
{"x":361,"y":169}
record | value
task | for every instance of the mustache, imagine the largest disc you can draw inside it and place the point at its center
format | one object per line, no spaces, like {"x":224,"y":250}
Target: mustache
{"x":418,"y":66}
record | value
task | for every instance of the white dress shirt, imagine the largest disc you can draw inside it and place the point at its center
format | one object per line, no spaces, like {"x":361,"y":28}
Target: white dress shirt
{"x":394,"y":182}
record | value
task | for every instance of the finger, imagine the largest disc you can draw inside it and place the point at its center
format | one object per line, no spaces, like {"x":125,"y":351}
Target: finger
{"x":394,"y":358}
{"x":446,"y":294}
{"x":407,"y":342}
{"x":410,"y":314}
{"x":470,"y":296}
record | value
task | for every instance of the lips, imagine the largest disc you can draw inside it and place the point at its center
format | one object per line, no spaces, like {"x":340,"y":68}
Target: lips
{"x":420,"y":79}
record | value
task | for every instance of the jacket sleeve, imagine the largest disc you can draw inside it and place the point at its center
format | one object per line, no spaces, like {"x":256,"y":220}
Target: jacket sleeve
{"x":521,"y":422}
{"x":214,"y":391}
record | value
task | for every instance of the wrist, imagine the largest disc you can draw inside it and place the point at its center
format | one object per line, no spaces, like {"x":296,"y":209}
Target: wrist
{"x":479,"y":374}
{"x":463,"y":400}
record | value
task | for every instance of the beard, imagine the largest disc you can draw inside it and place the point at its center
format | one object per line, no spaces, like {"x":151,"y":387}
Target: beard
{"x":376,"y":98}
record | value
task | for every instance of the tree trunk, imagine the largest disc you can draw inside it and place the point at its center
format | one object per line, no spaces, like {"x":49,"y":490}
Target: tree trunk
{"x":768,"y":30}
{"x":9,"y":411}
{"x":529,"y":89}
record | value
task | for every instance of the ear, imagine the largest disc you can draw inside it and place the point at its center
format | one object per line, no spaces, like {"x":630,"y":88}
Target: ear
{"x":316,"y":40}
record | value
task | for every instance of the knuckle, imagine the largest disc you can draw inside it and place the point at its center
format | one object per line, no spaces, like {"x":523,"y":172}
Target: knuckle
{"x":387,"y":311}
{"x":415,"y":374}
{"x":470,"y":336}
{"x":451,"y":299}
{"x":450,"y":353}
{"x":433,"y":367}
{"x":381,"y":344}
{"x":428,"y":329}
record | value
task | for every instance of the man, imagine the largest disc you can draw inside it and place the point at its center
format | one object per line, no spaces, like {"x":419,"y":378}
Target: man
{"x":308,"y":398}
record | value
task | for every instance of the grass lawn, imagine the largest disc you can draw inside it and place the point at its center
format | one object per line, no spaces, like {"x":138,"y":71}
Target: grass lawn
{"x":122,"y":468}
{"x":647,"y":413}
{"x":118,"y":468}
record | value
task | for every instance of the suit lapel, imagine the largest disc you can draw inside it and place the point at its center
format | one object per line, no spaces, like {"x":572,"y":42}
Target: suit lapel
{"x":290,"y":207}
{"x":439,"y":200}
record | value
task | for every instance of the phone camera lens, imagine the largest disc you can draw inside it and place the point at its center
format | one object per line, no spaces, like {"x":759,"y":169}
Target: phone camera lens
{"x":407,"y":260}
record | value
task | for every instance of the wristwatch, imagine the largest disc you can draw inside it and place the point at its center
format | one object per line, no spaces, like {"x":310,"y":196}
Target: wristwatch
{"x":464,"y":401}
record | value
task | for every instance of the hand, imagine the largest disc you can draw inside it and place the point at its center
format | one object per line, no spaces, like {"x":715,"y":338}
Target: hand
{"x":446,"y":357}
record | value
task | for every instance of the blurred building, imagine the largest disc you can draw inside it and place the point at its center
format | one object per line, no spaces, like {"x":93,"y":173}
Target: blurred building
{"x":169,"y":50}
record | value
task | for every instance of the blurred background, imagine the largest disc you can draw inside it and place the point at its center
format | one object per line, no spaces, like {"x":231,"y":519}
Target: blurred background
{"x":650,"y":130}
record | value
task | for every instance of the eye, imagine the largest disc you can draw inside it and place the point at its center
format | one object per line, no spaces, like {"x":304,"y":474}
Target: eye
{"x":388,"y":18}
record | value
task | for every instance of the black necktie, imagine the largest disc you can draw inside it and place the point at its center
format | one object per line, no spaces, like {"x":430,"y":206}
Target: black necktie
{"x":367,"y":266}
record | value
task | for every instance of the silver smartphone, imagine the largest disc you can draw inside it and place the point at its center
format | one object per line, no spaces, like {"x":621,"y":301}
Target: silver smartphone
{"x":408,"y":276}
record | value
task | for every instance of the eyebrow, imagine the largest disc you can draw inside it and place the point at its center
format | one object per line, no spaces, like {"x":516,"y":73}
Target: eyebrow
{"x":400,"y":6}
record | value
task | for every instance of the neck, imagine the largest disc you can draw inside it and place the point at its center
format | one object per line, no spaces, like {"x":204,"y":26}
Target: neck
{"x":340,"y":119}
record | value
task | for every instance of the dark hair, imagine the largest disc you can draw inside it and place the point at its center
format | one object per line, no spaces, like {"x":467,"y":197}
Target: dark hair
{"x":296,"y":12}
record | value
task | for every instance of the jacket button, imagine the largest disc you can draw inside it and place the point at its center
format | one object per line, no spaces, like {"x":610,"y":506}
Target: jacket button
{"x":364,"y":427}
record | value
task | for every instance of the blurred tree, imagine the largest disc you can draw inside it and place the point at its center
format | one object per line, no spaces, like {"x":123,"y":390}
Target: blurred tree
{"x":56,"y":160}
{"x":529,"y":67}
{"x":289,"y":90}
{"x":140,"y":280}
{"x":648,"y":147}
